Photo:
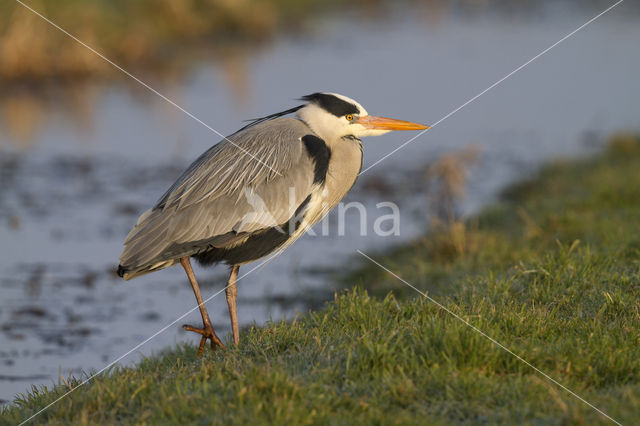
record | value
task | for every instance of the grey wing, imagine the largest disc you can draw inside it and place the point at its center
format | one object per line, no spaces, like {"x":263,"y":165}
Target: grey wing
{"x":224,"y":193}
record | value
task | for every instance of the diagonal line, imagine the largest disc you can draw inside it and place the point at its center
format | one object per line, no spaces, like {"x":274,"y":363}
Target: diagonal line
{"x":127,"y":73}
{"x":492,"y":340}
{"x":112,"y":363}
{"x":493,"y":85}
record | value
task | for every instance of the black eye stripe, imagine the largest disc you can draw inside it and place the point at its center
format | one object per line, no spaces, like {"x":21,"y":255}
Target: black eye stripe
{"x":332,"y":104}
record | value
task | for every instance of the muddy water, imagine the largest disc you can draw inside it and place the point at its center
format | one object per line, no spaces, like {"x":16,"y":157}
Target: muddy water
{"x":73,"y":181}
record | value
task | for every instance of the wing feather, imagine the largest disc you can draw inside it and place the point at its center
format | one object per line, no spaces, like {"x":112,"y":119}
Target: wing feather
{"x":226,"y":191}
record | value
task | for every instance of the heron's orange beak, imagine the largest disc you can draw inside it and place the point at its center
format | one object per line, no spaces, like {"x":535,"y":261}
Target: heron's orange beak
{"x":382,"y":123}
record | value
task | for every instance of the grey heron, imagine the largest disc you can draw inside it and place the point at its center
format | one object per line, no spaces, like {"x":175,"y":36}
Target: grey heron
{"x":254,"y":193}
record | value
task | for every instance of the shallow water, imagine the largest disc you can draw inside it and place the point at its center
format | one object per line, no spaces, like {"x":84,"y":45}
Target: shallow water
{"x":73,"y":182}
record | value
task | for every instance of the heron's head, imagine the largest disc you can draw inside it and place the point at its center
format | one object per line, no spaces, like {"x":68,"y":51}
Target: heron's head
{"x":332,"y":116}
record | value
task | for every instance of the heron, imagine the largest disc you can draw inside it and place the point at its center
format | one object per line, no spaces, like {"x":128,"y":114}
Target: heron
{"x":254,"y":193}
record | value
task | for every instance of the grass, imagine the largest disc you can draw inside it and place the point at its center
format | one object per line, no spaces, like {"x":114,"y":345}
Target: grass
{"x":141,"y":35}
{"x":552,"y":271}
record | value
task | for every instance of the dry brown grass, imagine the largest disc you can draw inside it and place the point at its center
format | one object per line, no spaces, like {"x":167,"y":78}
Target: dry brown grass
{"x":140,"y":35}
{"x":447,"y":180}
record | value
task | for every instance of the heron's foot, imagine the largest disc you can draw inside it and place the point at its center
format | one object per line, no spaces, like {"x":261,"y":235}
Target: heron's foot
{"x":206,"y":333}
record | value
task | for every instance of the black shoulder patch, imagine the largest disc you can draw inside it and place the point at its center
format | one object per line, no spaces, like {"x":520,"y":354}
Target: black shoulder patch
{"x":320,"y":154}
{"x":331,"y":103}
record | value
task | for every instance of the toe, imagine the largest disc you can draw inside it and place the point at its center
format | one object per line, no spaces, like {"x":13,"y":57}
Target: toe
{"x":188,"y":327}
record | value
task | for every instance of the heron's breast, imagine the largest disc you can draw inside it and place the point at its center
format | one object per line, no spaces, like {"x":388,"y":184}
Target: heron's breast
{"x":342,"y":172}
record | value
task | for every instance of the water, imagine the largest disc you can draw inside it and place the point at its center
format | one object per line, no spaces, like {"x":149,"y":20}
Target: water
{"x":74,"y":179}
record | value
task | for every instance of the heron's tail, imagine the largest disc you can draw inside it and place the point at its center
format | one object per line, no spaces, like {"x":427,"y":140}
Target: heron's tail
{"x":128,"y":272}
{"x":143,"y":247}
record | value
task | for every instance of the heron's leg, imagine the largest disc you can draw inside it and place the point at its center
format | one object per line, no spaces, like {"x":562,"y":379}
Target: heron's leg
{"x":206,"y":331}
{"x":232,"y":292}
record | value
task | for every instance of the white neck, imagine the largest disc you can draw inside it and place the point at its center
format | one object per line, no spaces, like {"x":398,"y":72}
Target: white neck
{"x":324,"y":124}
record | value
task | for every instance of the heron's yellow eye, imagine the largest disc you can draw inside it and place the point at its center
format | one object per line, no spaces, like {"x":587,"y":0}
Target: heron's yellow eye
{"x":349,"y":117}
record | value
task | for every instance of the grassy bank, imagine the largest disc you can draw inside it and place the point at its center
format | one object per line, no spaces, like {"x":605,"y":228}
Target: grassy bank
{"x":141,"y":35}
{"x":552,"y":271}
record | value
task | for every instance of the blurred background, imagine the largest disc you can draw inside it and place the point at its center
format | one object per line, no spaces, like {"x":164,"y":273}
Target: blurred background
{"x":84,"y":149}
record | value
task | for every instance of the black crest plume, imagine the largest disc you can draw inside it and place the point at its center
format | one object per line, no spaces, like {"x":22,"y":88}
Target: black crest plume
{"x":255,"y":121}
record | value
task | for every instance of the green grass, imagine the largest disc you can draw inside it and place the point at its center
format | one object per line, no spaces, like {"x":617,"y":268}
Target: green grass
{"x":552,"y":271}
